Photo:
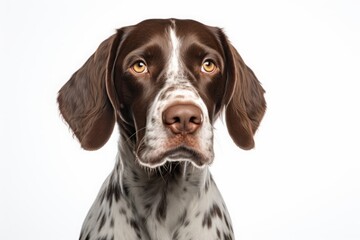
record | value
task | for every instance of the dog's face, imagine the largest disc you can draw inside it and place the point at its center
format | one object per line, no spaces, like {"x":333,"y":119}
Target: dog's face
{"x":170,"y":79}
{"x":164,"y":82}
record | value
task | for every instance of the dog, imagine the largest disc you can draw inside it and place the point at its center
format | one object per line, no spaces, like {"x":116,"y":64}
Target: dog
{"x":164,"y":82}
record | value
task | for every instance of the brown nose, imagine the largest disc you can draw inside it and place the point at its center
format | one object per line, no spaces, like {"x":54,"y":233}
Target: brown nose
{"x":182,"y":118}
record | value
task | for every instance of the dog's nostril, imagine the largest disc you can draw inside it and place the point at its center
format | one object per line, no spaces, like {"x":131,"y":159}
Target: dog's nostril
{"x":175,"y":120}
{"x":182,"y":118}
{"x":196,"y":120}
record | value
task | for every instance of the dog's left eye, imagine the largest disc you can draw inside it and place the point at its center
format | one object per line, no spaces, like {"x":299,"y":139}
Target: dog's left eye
{"x":208,"y":66}
{"x":139,"y":67}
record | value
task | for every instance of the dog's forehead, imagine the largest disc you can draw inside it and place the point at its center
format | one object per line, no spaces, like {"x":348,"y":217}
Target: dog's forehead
{"x":159,"y":32}
{"x":189,"y":30}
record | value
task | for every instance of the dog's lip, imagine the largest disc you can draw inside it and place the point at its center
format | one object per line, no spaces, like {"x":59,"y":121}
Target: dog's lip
{"x":180,"y":153}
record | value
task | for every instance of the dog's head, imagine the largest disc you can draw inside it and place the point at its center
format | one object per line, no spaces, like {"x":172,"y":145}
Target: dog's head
{"x":164,"y":82}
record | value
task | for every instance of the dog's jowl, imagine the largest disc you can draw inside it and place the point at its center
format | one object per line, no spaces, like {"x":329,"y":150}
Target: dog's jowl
{"x":163,"y":83}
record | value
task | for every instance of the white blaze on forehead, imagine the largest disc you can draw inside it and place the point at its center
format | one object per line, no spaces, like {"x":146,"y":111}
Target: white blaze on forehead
{"x":174,"y":60}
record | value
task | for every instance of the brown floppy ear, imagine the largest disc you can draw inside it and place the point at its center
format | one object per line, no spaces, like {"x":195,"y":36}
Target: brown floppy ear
{"x":244,"y":100}
{"x":83,"y":100}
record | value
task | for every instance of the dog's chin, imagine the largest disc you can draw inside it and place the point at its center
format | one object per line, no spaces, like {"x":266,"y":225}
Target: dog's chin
{"x":181,"y":154}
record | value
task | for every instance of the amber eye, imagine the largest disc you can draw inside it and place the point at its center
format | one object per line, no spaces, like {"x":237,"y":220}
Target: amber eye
{"x":208,"y":66}
{"x":139,"y":67}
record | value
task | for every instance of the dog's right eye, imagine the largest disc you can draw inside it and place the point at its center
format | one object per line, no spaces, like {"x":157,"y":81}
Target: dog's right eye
{"x":208,"y":66}
{"x":139,"y":67}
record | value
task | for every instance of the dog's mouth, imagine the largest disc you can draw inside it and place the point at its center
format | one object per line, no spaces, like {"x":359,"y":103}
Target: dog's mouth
{"x":184,"y":153}
{"x":180,"y":153}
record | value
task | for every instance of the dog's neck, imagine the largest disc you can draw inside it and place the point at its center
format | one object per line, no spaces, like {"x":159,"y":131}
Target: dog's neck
{"x":155,"y":192}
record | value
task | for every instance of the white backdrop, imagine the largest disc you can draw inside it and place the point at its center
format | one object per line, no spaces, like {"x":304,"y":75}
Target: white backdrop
{"x":302,"y":181}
